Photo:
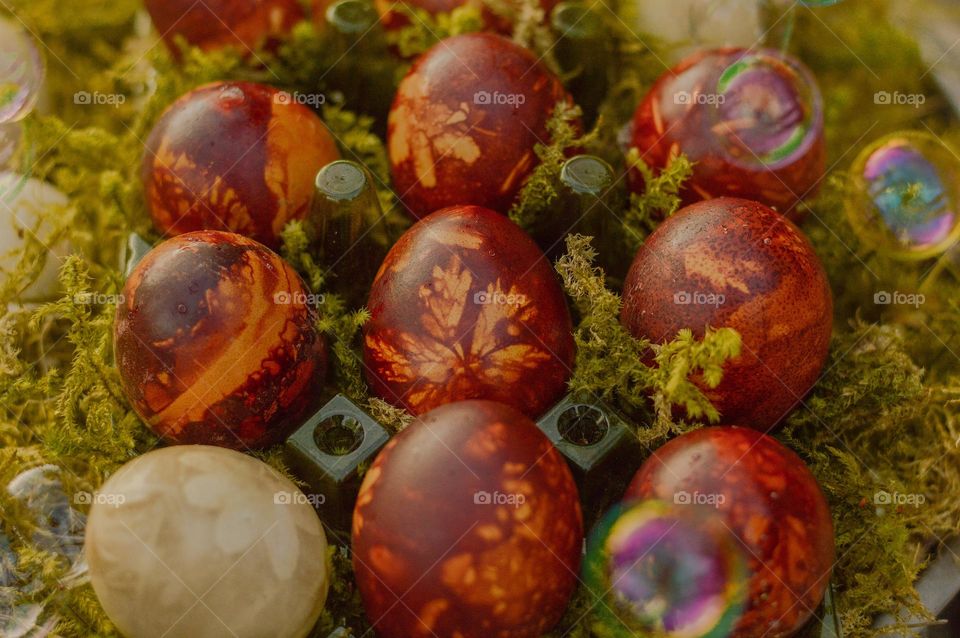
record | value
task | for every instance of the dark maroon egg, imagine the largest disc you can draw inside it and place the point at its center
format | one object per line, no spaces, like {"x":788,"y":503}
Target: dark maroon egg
{"x":465,"y":306}
{"x":738,"y":264}
{"x":215,"y":24}
{"x":468,"y":525}
{"x":235,"y":156}
{"x":217,"y":344}
{"x":751,"y":120}
{"x":767,"y":498}
{"x":465,"y":121}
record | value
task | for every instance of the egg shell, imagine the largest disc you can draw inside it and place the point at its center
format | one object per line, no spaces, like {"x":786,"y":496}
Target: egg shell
{"x":768,"y":498}
{"x":466,"y":306}
{"x":468,"y":525}
{"x":465,"y":121}
{"x":760,"y":138}
{"x":216,"y":24}
{"x":735,"y":263}
{"x":216,"y":342}
{"x":235,"y":156}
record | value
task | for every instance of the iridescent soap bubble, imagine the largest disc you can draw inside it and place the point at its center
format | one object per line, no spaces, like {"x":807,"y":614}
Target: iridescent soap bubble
{"x":657,"y":566}
{"x":59,"y":527}
{"x":22,"y":71}
{"x":768,"y":110}
{"x":903,"y":195}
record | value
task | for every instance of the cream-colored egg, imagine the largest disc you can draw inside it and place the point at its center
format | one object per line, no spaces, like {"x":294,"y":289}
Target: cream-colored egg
{"x":199,"y":541}
{"x":24,"y":202}
{"x":686,"y":26}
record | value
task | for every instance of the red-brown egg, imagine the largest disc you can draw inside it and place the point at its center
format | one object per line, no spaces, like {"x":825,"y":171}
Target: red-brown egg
{"x":465,"y":121}
{"x":468,"y":525}
{"x":235,"y":156}
{"x":215,"y":24}
{"x":751,"y":120}
{"x":767,"y":498}
{"x":465,"y":306}
{"x":738,"y":264}
{"x":216,"y":342}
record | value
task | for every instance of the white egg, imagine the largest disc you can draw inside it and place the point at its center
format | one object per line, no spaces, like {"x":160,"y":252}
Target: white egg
{"x":686,"y":26}
{"x":210,"y":543}
{"x":23,"y":203}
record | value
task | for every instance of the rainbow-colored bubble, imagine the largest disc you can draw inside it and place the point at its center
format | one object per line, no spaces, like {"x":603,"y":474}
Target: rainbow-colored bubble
{"x":672,"y":568}
{"x":768,"y":110}
{"x":22,"y":71}
{"x":904,"y":195}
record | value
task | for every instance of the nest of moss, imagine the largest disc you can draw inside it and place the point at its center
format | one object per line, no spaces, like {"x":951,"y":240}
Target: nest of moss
{"x":884,"y":416}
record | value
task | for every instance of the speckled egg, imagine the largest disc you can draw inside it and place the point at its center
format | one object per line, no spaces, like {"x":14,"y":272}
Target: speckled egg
{"x":234,"y":156}
{"x":468,"y":525}
{"x":465,"y":306}
{"x":767,"y":497}
{"x":751,"y":120}
{"x":216,"y":342}
{"x":465,"y":121}
{"x":738,"y":264}
{"x":216,"y":24}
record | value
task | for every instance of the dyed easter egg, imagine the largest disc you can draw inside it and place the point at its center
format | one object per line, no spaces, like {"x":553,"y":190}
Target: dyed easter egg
{"x":687,"y":26}
{"x":195,"y":540}
{"x":28,"y":208}
{"x":234,"y":156}
{"x":751,"y":120}
{"x":216,"y":24}
{"x":768,"y":499}
{"x":465,"y":121}
{"x":738,"y":264}
{"x":465,"y":306}
{"x":468,"y":525}
{"x":655,"y":565}
{"x":904,"y":196}
{"x":216,"y":342}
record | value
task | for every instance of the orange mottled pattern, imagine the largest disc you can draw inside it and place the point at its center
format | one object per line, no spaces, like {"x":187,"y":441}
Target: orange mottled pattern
{"x":215,"y":24}
{"x":773,"y":506}
{"x":738,"y":264}
{"x":465,"y":121}
{"x":234,"y":156}
{"x":216,"y":342}
{"x":465,"y":306}
{"x":468,"y":525}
